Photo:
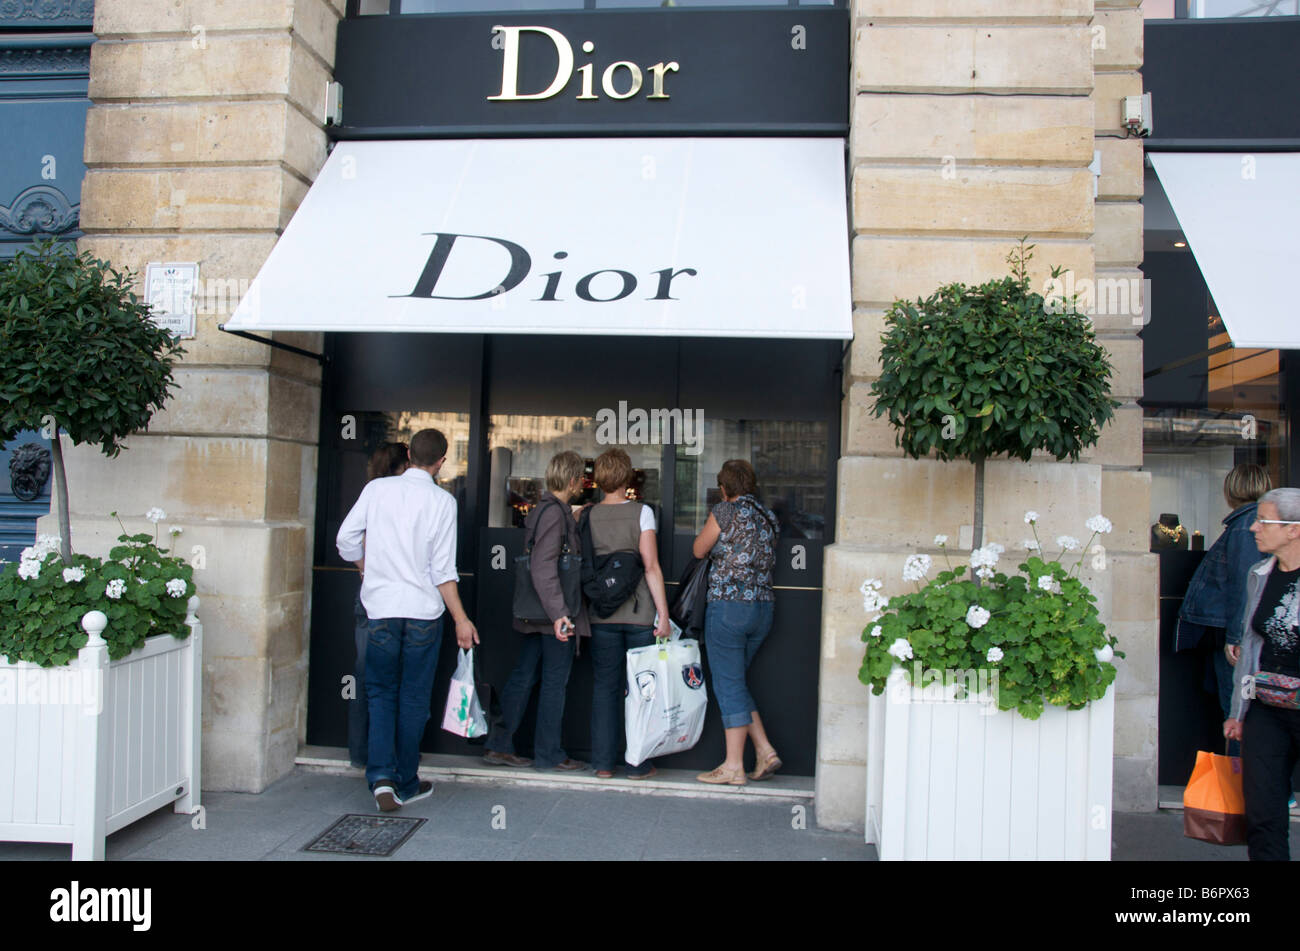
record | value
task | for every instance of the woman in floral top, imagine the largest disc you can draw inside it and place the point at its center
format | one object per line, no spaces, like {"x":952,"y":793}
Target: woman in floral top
{"x":740,"y":540}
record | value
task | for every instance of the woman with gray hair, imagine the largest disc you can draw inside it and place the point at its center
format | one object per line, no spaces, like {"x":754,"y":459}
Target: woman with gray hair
{"x":1266,"y":690}
{"x":551,"y":645}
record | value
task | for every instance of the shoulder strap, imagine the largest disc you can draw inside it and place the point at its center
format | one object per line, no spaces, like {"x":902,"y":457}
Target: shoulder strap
{"x":532,"y":539}
{"x":588,"y":546}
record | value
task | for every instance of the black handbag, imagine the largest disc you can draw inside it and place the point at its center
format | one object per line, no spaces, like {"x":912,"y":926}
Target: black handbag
{"x":527,"y":605}
{"x":607,"y":580}
{"x":687,"y":609}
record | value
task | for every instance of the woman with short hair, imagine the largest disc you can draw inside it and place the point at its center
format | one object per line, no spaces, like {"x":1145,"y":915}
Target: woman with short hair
{"x":551,"y":646}
{"x":618,"y":524}
{"x":1265,"y":696}
{"x":740,"y":540}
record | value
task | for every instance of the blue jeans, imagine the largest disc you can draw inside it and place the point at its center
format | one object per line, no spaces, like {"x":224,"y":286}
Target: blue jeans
{"x":733,"y":632}
{"x":401,"y":661}
{"x":555,"y":658}
{"x":358,"y":715}
{"x":609,"y":646}
{"x":1223,"y":680}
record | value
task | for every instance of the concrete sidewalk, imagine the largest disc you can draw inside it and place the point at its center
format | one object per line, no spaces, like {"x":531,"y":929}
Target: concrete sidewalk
{"x":484,"y":814}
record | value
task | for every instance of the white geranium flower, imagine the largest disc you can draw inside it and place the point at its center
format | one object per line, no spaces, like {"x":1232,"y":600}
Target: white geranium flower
{"x":1104,"y":654}
{"x":176,"y":587}
{"x":872,"y":602}
{"x":977,"y":616}
{"x":940,"y":541}
{"x":1049,"y":584}
{"x":1031,"y":517}
{"x":29,"y":570}
{"x":1030,"y":544}
{"x":175,"y":530}
{"x":901,"y":649}
{"x":116,"y":588}
{"x":1068,"y":542}
{"x":1099,"y":523}
{"x":74,"y":574}
{"x":916,"y":567}
{"x":877,"y":631}
{"x":984,"y":572}
{"x":994,"y":655}
{"x":155,"y":515}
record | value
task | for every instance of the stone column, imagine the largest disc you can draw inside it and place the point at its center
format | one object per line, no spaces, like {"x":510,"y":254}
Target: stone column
{"x":1119,"y":304}
{"x":204,"y":134}
{"x":972,"y":125}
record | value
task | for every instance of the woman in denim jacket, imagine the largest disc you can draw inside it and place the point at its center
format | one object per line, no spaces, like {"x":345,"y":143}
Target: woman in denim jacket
{"x":1217,"y":592}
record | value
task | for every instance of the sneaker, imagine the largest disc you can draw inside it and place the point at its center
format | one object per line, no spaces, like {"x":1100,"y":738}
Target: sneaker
{"x":386,"y":798}
{"x":1291,"y":802}
{"x":426,"y":790}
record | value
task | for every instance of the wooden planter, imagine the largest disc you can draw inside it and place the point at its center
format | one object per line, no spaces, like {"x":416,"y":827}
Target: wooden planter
{"x":96,"y":745}
{"x":948,"y":780}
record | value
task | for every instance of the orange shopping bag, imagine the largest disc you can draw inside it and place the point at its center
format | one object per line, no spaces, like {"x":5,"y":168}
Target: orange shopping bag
{"x":1213,"y":807}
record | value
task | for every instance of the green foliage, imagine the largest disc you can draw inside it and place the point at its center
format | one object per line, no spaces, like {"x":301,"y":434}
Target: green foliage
{"x":1049,"y":640}
{"x":40,"y":618}
{"x":1010,"y":375}
{"x":77,"y":345}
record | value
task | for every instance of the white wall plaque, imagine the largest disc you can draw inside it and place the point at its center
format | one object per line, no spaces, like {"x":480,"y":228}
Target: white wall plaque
{"x":170,"y":290}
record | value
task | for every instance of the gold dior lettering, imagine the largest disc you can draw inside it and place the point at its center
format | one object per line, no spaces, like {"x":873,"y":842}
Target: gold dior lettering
{"x":620,"y":80}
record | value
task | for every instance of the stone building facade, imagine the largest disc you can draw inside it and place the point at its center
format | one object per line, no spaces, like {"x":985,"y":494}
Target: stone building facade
{"x":974,"y":122}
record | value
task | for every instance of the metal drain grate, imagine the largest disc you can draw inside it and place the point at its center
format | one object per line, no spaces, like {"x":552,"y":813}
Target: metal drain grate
{"x":365,"y":835}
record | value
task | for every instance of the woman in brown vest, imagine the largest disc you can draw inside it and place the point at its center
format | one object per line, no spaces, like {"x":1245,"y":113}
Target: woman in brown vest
{"x":618,"y":524}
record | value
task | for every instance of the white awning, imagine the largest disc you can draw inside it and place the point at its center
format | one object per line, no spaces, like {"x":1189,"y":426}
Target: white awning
{"x":1239,"y":213}
{"x":655,"y":236}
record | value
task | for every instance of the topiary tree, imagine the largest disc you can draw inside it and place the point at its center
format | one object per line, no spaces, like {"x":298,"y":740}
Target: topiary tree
{"x":975,"y":372}
{"x":78,"y":352}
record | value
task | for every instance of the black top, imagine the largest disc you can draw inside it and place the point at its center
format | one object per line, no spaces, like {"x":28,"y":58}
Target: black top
{"x":1277,"y":619}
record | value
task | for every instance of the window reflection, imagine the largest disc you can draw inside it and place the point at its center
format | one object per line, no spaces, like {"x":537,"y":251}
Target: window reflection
{"x":789,"y":457}
{"x":1235,"y":415}
{"x":522,"y":446}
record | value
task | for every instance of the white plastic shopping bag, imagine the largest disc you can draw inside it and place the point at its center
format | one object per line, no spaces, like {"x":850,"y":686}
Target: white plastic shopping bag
{"x":464,"y":714}
{"x":666,"y":699}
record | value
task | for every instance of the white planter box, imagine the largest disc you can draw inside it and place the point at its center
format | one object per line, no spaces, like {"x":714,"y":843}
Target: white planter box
{"x":948,"y":781}
{"x":91,"y":747}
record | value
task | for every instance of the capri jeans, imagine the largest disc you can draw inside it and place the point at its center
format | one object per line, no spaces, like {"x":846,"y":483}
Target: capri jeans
{"x":733,"y":633}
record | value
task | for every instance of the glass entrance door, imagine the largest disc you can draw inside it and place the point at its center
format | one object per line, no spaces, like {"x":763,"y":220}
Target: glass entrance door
{"x":507,"y":404}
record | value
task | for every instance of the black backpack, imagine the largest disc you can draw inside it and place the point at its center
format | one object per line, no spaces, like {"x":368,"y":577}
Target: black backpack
{"x":608,"y":580}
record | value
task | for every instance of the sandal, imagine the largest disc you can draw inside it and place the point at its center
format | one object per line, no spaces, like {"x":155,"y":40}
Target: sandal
{"x":604,"y":774}
{"x":723,"y":776}
{"x":766,"y":766}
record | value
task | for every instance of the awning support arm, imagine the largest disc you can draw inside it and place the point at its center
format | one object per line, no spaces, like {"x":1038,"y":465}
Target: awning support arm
{"x":318,"y":357}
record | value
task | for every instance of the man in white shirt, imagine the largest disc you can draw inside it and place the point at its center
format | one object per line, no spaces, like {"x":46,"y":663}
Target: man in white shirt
{"x":401,"y":533}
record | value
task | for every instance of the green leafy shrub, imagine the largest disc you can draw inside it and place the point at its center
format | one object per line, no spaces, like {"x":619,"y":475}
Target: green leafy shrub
{"x":1036,"y":637}
{"x":141,"y":588}
{"x":976,"y":372}
{"x":78,"y":351}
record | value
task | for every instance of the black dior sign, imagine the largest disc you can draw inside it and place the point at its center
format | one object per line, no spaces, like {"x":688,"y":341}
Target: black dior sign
{"x":775,"y":71}
{"x":599,"y":286}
